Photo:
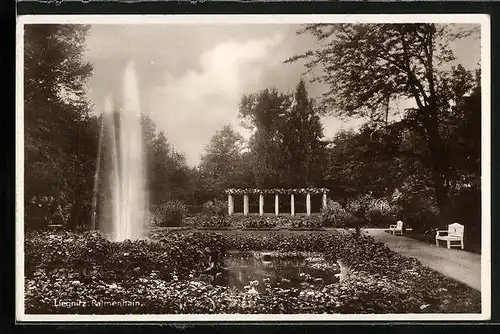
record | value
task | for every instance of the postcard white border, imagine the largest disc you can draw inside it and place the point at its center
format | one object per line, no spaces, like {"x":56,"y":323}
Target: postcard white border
{"x":481,"y":19}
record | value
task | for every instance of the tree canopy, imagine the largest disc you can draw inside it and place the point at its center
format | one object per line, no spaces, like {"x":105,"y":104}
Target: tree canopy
{"x":221,"y":165}
{"x":367,"y":65}
{"x":286,"y":143}
{"x":426,"y":161}
{"x":60,"y":135}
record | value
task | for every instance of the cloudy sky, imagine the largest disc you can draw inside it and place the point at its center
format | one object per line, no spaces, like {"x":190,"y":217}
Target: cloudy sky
{"x":191,"y":77}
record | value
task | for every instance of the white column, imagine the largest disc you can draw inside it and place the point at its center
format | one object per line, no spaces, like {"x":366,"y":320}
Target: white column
{"x":324,"y":200}
{"x":245,"y":204}
{"x":276,"y":205}
{"x":261,"y":204}
{"x":230,"y":204}
{"x":308,"y":204}
{"x":292,"y":205}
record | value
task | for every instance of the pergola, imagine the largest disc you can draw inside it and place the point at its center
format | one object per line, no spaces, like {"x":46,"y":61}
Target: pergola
{"x":276,"y":192}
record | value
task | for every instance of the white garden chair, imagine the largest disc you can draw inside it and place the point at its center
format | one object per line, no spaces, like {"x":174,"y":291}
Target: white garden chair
{"x":454,"y":236}
{"x":396,"y":229}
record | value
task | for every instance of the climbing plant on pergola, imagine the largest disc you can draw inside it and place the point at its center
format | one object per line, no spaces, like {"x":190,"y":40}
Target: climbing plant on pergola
{"x":231,"y":193}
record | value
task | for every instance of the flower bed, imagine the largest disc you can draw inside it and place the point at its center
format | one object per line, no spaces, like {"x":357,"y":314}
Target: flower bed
{"x":159,"y":276}
{"x":279,"y":221}
{"x":306,"y":224}
{"x":215,"y":223}
{"x":254,"y":222}
{"x":260,"y":224}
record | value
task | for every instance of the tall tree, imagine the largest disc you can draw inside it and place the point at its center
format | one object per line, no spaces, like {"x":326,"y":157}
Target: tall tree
{"x":168,"y":176}
{"x":461,"y":126}
{"x":265,"y":114}
{"x":301,"y":137}
{"x":220,"y":166}
{"x":160,"y":169}
{"x":374,"y":160}
{"x":60,"y":138}
{"x":367,"y":65}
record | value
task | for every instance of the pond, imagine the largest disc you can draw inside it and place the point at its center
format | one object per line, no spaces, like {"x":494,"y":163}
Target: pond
{"x":243,"y":270}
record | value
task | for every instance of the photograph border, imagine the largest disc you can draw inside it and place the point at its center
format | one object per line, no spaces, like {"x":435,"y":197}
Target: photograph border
{"x":482,"y":19}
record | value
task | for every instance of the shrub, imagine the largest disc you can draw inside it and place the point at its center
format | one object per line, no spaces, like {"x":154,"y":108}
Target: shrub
{"x":366,"y":210}
{"x":417,"y":205}
{"x":195,"y":209}
{"x":215,"y":208}
{"x":350,"y":220}
{"x":380,"y":212}
{"x":46,"y":210}
{"x":337,"y":216}
{"x":421,"y":213}
{"x":170,"y":213}
{"x":360,"y":206}
{"x":333,"y":214}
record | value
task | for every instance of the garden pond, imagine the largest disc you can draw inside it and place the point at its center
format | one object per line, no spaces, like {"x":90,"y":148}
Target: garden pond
{"x":258,"y":270}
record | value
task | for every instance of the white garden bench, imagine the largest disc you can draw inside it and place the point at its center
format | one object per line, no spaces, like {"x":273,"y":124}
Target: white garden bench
{"x":454,"y":236}
{"x":396,"y":229}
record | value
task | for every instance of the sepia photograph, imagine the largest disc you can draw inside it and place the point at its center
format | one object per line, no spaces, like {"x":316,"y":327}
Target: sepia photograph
{"x":253,"y":168}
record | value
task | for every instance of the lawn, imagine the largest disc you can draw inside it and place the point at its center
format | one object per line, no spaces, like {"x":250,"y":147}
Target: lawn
{"x":83,"y":273}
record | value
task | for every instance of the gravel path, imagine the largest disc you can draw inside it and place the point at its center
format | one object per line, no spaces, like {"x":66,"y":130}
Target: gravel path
{"x":455,"y":263}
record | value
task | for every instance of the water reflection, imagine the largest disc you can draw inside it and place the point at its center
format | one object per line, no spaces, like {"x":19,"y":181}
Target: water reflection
{"x":276,"y":269}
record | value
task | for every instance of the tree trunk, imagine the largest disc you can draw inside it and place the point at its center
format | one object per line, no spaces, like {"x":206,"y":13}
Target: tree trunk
{"x":438,"y":160}
{"x":74,"y":215}
{"x":438,"y":154}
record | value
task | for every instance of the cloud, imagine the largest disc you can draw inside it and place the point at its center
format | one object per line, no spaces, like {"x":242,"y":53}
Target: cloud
{"x":191,"y":77}
{"x":192,"y":107}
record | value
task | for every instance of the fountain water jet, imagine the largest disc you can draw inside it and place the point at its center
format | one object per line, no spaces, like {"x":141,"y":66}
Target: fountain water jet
{"x":127,"y":200}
